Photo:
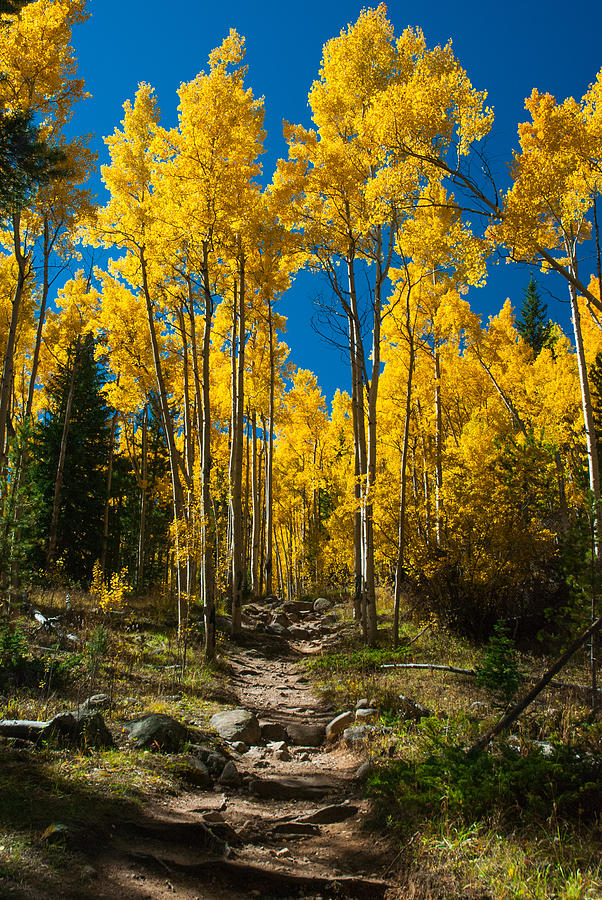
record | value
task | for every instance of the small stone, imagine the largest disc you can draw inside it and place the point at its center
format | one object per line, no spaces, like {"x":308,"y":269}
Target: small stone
{"x":96,"y":701}
{"x":283,"y":755}
{"x":366,"y":715}
{"x":88,"y":873}
{"x":362,"y":704}
{"x":277,"y":629}
{"x":193,"y":771}
{"x":274,"y":746}
{"x":362,"y":772}
{"x":230,"y":775}
{"x":239,"y":746}
{"x":338,"y":724}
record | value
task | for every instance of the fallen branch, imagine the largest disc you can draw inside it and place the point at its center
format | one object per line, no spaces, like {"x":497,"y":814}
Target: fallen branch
{"x":439,"y":668}
{"x":420,"y":633}
{"x":472,"y":672}
{"x":526,"y":701}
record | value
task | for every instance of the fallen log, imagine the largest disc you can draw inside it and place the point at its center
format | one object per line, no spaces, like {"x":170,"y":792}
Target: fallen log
{"x":22,"y":728}
{"x":472,"y":672}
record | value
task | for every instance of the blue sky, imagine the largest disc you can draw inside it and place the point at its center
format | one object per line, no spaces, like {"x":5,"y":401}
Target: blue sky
{"x":506,"y":49}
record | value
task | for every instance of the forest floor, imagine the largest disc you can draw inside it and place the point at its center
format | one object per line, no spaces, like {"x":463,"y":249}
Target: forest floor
{"x":430,"y":823}
{"x":158,"y":852}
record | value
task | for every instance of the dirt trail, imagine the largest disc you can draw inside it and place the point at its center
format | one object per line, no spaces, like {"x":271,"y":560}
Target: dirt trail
{"x":167,"y":857}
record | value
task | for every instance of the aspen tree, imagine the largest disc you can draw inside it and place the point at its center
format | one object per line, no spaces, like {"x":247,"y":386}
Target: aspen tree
{"x":39,"y":67}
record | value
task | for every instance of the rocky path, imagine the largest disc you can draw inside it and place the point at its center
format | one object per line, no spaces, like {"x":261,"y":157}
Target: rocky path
{"x":294,"y":819}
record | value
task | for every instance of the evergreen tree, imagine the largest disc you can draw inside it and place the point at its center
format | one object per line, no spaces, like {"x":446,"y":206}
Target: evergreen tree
{"x":82,"y":428}
{"x":533,"y":324}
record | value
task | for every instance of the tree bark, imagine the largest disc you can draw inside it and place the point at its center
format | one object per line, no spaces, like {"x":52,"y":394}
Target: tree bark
{"x":268,"y":559}
{"x":58,"y":483}
{"x":6,"y":384}
{"x":208,"y":527}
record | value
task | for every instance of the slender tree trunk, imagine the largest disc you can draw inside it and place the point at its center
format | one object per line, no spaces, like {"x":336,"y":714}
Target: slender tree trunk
{"x":268,"y":560}
{"x":105,"y":528}
{"x":143,"y":501}
{"x":588,"y":417}
{"x":359,"y":608}
{"x":208,"y":527}
{"x":256,"y":507}
{"x":359,"y":426}
{"x":174,"y":463}
{"x":400,"y":563}
{"x":6,"y":384}
{"x":58,"y":484}
{"x":438,"y":452}
{"x":238,"y":398}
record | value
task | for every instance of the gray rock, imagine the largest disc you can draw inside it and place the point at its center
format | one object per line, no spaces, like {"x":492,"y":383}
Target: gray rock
{"x":362,"y":772}
{"x":283,"y":755}
{"x":322,"y":604}
{"x":280,"y":618}
{"x":297,"y":787}
{"x":329,"y":815}
{"x":92,"y":731}
{"x":357,"y":735}
{"x":299,"y":634}
{"x":156,"y":731}
{"x":230,"y":776}
{"x":277,"y":629}
{"x":96,"y":702}
{"x":338,"y":724}
{"x":410,"y":709}
{"x":237,"y":725}
{"x":305,"y":735}
{"x":239,"y":747}
{"x":296,"y":828}
{"x":194,"y":771}
{"x":544,"y":748}
{"x":272,"y":731}
{"x":83,"y":729}
{"x":214,"y":760}
{"x":72,"y":836}
{"x":366,"y":715}
{"x":363,"y":703}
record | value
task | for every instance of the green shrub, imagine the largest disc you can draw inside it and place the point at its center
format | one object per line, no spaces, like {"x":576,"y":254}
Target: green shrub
{"x":479,"y":787}
{"x":500,"y":672}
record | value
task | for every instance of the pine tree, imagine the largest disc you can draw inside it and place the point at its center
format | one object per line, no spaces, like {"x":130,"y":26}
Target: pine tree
{"x":78,"y":484}
{"x":533,"y":324}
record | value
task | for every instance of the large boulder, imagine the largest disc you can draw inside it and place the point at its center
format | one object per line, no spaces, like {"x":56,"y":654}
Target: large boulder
{"x":156,"y":731}
{"x":303,"y":734}
{"x":237,"y":725}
